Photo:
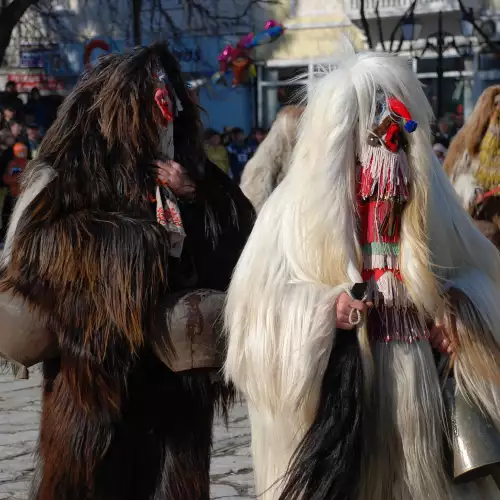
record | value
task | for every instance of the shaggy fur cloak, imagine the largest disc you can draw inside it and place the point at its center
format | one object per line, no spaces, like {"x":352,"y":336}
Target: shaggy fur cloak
{"x":85,"y":251}
{"x":462,"y":157}
{"x":304,"y":252}
{"x":268,"y":167}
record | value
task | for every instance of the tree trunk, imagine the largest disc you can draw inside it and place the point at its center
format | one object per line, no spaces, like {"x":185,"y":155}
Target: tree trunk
{"x":136,"y":22}
{"x":10,"y":15}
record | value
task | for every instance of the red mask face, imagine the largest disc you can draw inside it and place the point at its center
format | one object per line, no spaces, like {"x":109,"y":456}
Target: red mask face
{"x":164,"y":102}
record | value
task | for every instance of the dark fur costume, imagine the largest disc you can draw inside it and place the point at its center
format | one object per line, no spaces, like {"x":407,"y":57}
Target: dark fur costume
{"x":88,"y":254}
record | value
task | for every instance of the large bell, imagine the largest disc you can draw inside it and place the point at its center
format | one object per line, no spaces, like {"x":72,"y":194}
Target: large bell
{"x":475,"y":439}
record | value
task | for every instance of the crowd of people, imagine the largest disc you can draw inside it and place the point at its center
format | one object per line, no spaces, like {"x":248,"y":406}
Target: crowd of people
{"x":22,"y":126}
{"x":445,"y":130}
{"x":232,"y":149}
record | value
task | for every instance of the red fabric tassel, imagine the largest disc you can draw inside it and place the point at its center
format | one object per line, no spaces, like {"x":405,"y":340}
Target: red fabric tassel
{"x":380,"y":222}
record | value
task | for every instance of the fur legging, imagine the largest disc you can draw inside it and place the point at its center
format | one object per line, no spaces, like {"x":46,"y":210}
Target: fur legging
{"x":158,"y":450}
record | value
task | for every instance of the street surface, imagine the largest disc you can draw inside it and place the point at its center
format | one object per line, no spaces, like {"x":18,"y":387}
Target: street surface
{"x":19,"y":419}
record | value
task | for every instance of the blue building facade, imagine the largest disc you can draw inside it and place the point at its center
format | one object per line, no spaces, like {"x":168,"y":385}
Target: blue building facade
{"x":222,"y":105}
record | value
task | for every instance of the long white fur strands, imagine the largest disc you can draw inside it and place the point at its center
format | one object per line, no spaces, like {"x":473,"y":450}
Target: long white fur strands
{"x":304,"y":251}
{"x":406,"y":417}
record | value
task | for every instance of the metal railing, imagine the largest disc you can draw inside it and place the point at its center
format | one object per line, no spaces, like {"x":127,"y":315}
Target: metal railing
{"x":393,"y":7}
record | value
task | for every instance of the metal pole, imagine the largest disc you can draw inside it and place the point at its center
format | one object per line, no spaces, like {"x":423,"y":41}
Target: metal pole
{"x":440,"y":66}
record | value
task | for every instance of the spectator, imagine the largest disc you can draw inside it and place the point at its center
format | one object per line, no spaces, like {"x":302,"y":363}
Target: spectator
{"x":239,"y":154}
{"x":34,"y":140}
{"x":11,"y":179}
{"x":227,"y":136}
{"x":15,"y":168}
{"x":8,"y":137}
{"x":216,"y":152}
{"x":38,"y":110}
{"x":256,"y":138}
{"x":440,"y":151}
{"x":443,"y":134}
{"x":11,"y":99}
{"x":9,"y":114}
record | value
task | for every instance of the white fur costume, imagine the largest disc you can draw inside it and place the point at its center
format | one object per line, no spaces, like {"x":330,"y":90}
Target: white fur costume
{"x":304,"y":252}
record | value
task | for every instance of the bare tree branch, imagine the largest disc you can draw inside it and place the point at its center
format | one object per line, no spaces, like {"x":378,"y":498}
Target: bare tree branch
{"x":409,"y":12}
{"x":136,"y":21}
{"x":204,"y":17}
{"x":10,"y":16}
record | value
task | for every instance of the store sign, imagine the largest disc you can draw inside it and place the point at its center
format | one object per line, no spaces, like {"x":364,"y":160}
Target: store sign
{"x":38,"y":56}
{"x":27,"y":81}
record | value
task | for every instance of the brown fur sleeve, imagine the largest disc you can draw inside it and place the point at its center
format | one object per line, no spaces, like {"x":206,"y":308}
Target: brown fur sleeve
{"x":95,"y":277}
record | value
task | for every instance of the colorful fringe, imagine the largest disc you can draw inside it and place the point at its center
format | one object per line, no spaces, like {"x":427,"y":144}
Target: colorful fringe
{"x":386,"y":324}
{"x":383,"y":192}
{"x":386,"y":171}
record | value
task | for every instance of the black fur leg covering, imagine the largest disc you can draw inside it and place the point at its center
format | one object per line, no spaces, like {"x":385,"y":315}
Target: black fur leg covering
{"x":327,"y":463}
{"x":158,"y":450}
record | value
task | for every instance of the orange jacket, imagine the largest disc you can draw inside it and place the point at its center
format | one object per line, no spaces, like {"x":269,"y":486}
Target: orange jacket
{"x":11,"y":176}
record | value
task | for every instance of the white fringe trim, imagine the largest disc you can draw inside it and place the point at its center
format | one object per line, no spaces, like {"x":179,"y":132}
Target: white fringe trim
{"x":385,"y":167}
{"x":388,"y":291}
{"x":380,"y":262}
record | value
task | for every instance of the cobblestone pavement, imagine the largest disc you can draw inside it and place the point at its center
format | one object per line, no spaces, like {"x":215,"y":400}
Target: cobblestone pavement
{"x":19,"y":415}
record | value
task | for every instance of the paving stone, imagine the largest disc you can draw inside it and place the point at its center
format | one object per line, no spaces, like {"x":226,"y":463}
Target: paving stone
{"x":231,"y":470}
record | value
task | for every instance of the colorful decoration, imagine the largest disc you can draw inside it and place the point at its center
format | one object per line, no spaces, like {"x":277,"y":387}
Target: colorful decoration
{"x":162,"y":99}
{"x":93,"y":45}
{"x":238,"y":58}
{"x":383,"y":191}
{"x":400,"y":109}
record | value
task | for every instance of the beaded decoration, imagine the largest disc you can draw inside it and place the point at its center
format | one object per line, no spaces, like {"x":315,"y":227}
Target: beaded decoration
{"x":383,"y":191}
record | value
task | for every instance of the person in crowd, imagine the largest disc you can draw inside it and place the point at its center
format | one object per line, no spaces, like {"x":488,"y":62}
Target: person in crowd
{"x":440,"y":151}
{"x":216,"y":152}
{"x":38,"y":110}
{"x":269,"y":165}
{"x":15,"y":168}
{"x":8,"y":115}
{"x":458,"y":120}
{"x":8,"y":137}
{"x":256,"y":138}
{"x":239,"y":154}
{"x":34,"y":139}
{"x":227,"y":136}
{"x":443,"y":134}
{"x":11,"y":99}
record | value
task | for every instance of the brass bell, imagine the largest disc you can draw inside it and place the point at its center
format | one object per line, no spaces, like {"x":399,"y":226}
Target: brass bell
{"x":475,"y":439}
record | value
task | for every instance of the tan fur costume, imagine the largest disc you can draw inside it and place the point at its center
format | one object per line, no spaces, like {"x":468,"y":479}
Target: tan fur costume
{"x":270,"y":164}
{"x":471,"y":160}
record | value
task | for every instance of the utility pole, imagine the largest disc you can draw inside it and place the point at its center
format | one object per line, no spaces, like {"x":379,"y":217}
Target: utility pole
{"x":136,"y":22}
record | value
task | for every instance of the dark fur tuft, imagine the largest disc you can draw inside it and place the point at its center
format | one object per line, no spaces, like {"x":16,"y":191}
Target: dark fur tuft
{"x":327,"y":463}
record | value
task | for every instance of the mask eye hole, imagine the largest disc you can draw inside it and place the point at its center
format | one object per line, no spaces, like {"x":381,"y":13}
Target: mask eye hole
{"x":379,"y":110}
